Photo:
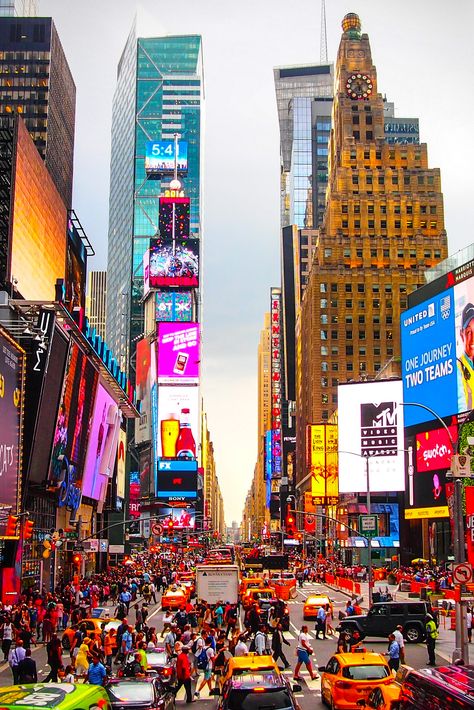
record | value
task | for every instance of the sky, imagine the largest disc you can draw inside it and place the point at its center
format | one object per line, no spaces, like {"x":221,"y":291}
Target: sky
{"x":423,"y":52}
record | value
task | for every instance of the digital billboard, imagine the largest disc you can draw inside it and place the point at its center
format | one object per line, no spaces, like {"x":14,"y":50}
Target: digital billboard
{"x":178,"y":421}
{"x":178,"y":353}
{"x":276,"y":379}
{"x":143,"y":390}
{"x":121,"y":461}
{"x":370,"y":425}
{"x":146,"y":478}
{"x":72,"y":426}
{"x":134,"y":502}
{"x":171,"y":263}
{"x":174,"y":306}
{"x":12,"y":373}
{"x":102,"y":445}
{"x":177,"y":479}
{"x":160,"y":158}
{"x":268,"y":455}
{"x":322,"y":462}
{"x":38,"y":226}
{"x":181,"y":517}
{"x":76,"y":265}
{"x":174,"y":210}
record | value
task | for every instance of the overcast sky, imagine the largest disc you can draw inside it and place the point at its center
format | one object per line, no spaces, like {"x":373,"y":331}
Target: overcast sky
{"x":423,"y":52}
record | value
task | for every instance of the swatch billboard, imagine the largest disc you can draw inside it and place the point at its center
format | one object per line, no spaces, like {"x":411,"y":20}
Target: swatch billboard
{"x":102,"y":445}
{"x":370,"y":426}
{"x":178,"y":421}
{"x":178,"y":353}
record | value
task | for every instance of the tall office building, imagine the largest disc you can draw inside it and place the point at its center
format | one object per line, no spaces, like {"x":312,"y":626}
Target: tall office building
{"x":18,"y":8}
{"x":36,"y":83}
{"x":383,"y":227}
{"x":159,"y":93}
{"x":95,"y":300}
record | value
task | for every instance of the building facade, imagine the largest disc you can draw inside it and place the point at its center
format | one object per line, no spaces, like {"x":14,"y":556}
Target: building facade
{"x":37,"y":84}
{"x":95,"y":301}
{"x":159,"y":93}
{"x":383,"y":226}
{"x":18,"y":8}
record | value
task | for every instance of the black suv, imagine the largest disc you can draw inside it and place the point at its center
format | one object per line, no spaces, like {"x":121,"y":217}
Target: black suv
{"x":258,"y":690}
{"x":384,"y":617}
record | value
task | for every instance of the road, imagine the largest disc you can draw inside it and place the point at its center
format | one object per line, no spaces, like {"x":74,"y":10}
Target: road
{"x":310,"y":697}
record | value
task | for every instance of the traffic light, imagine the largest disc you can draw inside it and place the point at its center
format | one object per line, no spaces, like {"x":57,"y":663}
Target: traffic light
{"x":28,"y":526}
{"x":170,"y":527}
{"x":290,"y":523}
{"x":10,"y":528}
{"x":77,"y":559}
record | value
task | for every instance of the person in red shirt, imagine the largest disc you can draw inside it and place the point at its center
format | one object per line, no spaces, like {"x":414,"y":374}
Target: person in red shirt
{"x":183,"y":674}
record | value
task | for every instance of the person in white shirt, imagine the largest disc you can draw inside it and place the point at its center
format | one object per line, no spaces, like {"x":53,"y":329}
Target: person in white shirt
{"x":260,"y":642}
{"x":241,"y":648}
{"x":398,"y":633}
{"x":469,"y":624}
{"x":304,"y":651}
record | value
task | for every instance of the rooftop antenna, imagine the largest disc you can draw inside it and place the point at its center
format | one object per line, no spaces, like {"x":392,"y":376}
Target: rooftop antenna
{"x":323,"y":57}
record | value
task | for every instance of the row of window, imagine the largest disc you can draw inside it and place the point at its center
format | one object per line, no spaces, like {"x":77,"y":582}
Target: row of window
{"x":334,"y":288}
{"x":407,"y":179}
{"x":350,"y":365}
{"x":24,"y":56}
{"x":397,"y":224}
{"x":375,"y":320}
{"x":334,"y":334}
{"x":349,"y":303}
{"x":397,"y":209}
{"x":391,"y":155}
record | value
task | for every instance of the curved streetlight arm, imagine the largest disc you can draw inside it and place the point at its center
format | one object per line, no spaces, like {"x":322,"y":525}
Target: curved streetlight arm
{"x":435,"y":415}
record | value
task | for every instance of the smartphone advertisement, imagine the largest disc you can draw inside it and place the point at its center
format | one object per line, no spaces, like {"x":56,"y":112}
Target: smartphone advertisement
{"x":178,"y":353}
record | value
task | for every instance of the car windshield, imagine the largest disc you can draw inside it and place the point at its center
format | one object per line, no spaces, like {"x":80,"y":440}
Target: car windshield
{"x":262,"y":595}
{"x":368,"y":672}
{"x":157,"y":658}
{"x":112,"y":625}
{"x":268,"y":700}
{"x":140,"y":692}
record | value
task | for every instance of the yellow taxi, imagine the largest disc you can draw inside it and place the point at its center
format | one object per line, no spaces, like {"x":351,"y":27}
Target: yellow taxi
{"x":348,"y":679}
{"x":250,"y":663}
{"x":94,"y":626}
{"x":313,"y":604}
{"x":174,"y":598}
{"x":251,"y":582}
{"x":187,"y":580}
{"x":254,"y":594}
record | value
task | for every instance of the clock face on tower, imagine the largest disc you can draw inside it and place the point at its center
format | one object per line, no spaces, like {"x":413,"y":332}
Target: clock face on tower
{"x":359,"y":86}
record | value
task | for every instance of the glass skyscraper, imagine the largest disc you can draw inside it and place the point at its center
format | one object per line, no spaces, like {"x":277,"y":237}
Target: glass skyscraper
{"x":159,"y":93}
{"x":18,"y":8}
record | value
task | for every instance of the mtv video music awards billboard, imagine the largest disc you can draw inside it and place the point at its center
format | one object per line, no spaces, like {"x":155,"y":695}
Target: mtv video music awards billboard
{"x":178,"y":353}
{"x":370,"y":421}
{"x":437,"y":339}
{"x":160,"y":158}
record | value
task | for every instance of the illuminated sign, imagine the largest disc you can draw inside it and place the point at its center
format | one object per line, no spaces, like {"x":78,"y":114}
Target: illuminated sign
{"x":370,"y":421}
{"x":171,"y":263}
{"x":121,"y":460}
{"x":160,"y":158}
{"x":178,"y":353}
{"x":103,"y":351}
{"x":174,"y":211}
{"x":322,"y":463}
{"x":434,"y":449}
{"x":178,"y":421}
{"x":268,"y":455}
{"x":276,"y":363}
{"x":177,"y":478}
{"x":181,"y":517}
{"x":423,"y":513}
{"x":102,"y":445}
{"x":174,"y":306}
{"x":143,"y":384}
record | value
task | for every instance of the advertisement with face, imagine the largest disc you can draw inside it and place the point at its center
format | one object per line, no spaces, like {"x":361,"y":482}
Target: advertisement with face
{"x":371,"y":428}
{"x":178,"y":422}
{"x":172,"y":263}
{"x":72,"y":426}
{"x":181,"y":517}
{"x":12,"y":366}
{"x":178,"y":353}
{"x":174,"y":306}
{"x":102,"y":445}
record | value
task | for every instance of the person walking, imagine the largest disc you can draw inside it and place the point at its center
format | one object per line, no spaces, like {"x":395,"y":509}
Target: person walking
{"x":183,"y":674}
{"x":260,"y":641}
{"x":329,"y":619}
{"x":97,"y":672}
{"x":431,"y":636}
{"x":469,"y":624}
{"x":321,"y":622}
{"x":15,"y":656}
{"x":55,"y":660}
{"x":393,"y":653}
{"x":278,"y":640}
{"x":27,"y":672}
{"x":304,"y":653}
{"x":205,"y":663}
{"x":398,"y":633}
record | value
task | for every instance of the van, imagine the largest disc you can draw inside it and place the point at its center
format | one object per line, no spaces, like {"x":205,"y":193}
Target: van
{"x":438,"y":688}
{"x":57,"y":696}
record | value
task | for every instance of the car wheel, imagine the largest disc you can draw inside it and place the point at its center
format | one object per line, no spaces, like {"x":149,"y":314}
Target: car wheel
{"x":413,"y":634}
{"x":323,"y":699}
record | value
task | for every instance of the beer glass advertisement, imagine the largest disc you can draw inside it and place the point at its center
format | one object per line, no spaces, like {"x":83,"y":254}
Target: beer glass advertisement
{"x":178,"y":422}
{"x":11,"y":414}
{"x":178,"y":353}
{"x":102,"y":445}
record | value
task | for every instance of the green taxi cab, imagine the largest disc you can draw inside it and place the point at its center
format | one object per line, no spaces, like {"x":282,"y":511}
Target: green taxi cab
{"x":60,"y":696}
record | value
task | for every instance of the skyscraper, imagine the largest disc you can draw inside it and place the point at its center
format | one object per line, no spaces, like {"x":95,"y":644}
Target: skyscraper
{"x":383,"y":226}
{"x":37,"y":84}
{"x":95,"y":300}
{"x":18,"y":8}
{"x":159,"y":93}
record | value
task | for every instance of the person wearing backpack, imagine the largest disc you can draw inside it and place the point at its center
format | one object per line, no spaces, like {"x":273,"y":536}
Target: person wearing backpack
{"x":205,"y":662}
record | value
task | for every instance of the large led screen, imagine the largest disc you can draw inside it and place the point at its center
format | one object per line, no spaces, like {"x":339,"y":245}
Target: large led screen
{"x":76,"y":264}
{"x":72,"y":426}
{"x":143,"y":390}
{"x":172,"y":264}
{"x":322,"y":462}
{"x":39,"y":221}
{"x":174,"y":306}
{"x":178,"y":353}
{"x":174,"y":209}
{"x":12,"y":366}
{"x":178,"y":422}
{"x":177,"y":479}
{"x":102,"y":445}
{"x":181,"y":517}
{"x":121,"y":463}
{"x":160,"y":158}
{"x":370,"y":426}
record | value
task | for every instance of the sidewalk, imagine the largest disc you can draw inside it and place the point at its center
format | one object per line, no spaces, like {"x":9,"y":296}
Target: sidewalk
{"x":446,"y":641}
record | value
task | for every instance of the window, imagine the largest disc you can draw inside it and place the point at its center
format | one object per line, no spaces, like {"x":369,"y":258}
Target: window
{"x":324,"y":366}
{"x":369,"y":135}
{"x":360,"y":288}
{"x":373,"y":253}
{"x":376,"y":303}
{"x":421,"y":179}
{"x":349,"y":350}
{"x":355,"y":120}
{"x":372,"y":225}
{"x":366,"y":154}
{"x":323,"y":287}
{"x":370,"y":208}
{"x":349,"y":366}
{"x":359,"y":253}
{"x":335,"y":366}
{"x":348,"y":288}
{"x":357,"y":209}
{"x":324,"y":382}
{"x":344,"y":209}
{"x":362,"y":367}
{"x":356,"y":135}
{"x":324,"y":415}
{"x":345,"y":223}
{"x":324,"y":318}
{"x":389,"y":320}
{"x":324,"y":350}
{"x":368,"y":120}
{"x":361,"y":319}
{"x":333,"y":334}
{"x":362,"y":351}
{"x":361,"y":334}
{"x":409,"y":209}
{"x":376,"y":334}
{"x":361,"y":304}
{"x":349,"y":303}
{"x":348,"y":334}
{"x":394,"y":179}
{"x":383,"y":209}
{"x":348,"y":319}
{"x":334,"y":350}
{"x":376,"y":351}
{"x":368,"y":179}
{"x":383,"y":224}
{"x":334,"y":288}
{"x":388,"y":288}
{"x":378,"y":155}
{"x":328,"y":252}
{"x":324,"y":399}
{"x":347,"y":253}
{"x":409,"y":224}
{"x":432,"y":209}
{"x":397,"y":224}
{"x":386,"y":253}
{"x":324,"y":303}
{"x":334,"y":382}
{"x":355,"y":179}
{"x":396,"y":209}
{"x":334,"y":318}
{"x":433,"y":225}
{"x":333,"y":302}
{"x":324,"y":335}
{"x":388,"y":335}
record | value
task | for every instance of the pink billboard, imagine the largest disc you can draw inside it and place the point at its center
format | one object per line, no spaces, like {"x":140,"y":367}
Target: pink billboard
{"x":178,"y":353}
{"x":434,"y":449}
{"x":103,"y":435}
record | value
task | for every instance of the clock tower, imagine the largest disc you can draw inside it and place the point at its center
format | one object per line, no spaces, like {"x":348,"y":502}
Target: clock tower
{"x":383,"y":227}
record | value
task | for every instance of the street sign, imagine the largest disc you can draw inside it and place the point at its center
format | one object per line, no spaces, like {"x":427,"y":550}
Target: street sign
{"x":461,"y":466}
{"x":369,"y":525}
{"x":462,"y":573}
{"x":78,"y":548}
{"x":156,"y":528}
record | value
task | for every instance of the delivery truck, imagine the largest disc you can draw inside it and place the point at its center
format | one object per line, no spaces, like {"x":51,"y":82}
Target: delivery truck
{"x":217,"y":583}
